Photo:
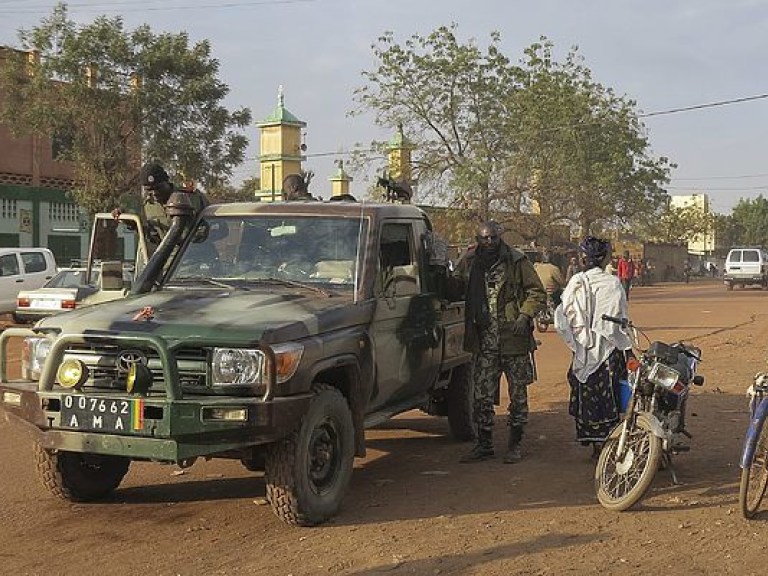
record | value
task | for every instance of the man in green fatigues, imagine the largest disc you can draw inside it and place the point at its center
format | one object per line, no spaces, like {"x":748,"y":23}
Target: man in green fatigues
{"x":157,"y":189}
{"x":503,"y":294}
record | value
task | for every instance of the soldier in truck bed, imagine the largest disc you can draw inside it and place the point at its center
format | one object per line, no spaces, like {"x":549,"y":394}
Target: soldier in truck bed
{"x":156,"y":191}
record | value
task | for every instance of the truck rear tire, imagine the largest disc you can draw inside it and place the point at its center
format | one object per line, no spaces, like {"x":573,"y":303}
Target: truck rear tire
{"x":307,"y":473}
{"x":459,"y":404}
{"x":79,"y":477}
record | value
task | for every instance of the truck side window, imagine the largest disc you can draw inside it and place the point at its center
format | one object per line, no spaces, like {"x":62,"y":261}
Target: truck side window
{"x":9,"y":265}
{"x":33,"y":261}
{"x":398,"y":270}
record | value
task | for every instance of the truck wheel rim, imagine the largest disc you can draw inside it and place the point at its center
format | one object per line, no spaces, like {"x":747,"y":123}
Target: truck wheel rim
{"x":324,"y":453}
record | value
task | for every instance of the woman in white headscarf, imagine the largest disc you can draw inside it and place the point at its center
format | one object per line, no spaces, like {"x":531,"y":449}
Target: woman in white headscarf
{"x":598,"y":345}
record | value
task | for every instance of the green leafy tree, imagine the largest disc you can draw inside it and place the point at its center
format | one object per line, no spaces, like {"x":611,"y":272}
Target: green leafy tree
{"x":750,"y":217}
{"x":727,"y":231}
{"x":447,"y":97}
{"x":534,"y":143}
{"x":679,"y":225}
{"x":117,"y":98}
{"x":226,"y":193}
{"x":581,"y":153}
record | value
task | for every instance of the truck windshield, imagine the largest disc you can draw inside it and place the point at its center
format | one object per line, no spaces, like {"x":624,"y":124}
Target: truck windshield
{"x":307,"y":249}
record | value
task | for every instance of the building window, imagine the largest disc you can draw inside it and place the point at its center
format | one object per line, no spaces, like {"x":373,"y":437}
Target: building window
{"x":63,"y":211}
{"x":8,"y":209}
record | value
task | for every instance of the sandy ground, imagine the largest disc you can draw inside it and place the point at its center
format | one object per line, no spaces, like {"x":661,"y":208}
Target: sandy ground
{"x":413,"y":509}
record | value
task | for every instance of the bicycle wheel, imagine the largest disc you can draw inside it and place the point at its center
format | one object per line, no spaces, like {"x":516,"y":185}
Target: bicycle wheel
{"x":754,"y":478}
{"x":621,"y":481}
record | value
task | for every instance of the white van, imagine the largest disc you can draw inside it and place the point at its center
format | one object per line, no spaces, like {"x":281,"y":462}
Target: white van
{"x":746,"y":266}
{"x":23,"y":269}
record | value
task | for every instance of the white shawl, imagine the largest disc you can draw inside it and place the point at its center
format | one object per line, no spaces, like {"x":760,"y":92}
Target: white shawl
{"x":579,"y":322}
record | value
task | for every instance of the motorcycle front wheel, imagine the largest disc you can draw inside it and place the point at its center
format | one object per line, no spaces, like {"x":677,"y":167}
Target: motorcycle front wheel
{"x":754,"y":478}
{"x":621,"y":480}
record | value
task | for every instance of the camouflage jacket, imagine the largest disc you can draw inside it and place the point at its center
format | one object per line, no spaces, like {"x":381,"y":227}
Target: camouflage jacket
{"x":519,"y":291}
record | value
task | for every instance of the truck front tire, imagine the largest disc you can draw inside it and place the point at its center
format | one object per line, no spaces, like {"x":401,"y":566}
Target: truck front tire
{"x":307,"y":473}
{"x":459,"y":404}
{"x":79,"y":477}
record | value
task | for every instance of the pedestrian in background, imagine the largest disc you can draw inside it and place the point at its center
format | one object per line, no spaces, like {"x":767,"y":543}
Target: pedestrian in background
{"x":551,"y":278}
{"x":640,"y":272}
{"x":598,"y":345}
{"x":626,"y":272}
{"x":573,"y":268}
{"x":503,"y":294}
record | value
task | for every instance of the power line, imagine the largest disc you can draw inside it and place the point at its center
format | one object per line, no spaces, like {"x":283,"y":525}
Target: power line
{"x":753,"y":188}
{"x":131,"y":6}
{"x":703,"y":106}
{"x":739,"y":177}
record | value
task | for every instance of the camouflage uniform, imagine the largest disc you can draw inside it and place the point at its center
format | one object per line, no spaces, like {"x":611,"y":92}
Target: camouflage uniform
{"x":153,"y":215}
{"x":512,"y":288}
{"x":157,"y":220}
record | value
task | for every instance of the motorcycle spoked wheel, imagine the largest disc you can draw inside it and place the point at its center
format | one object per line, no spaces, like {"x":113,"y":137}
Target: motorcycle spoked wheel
{"x":754,"y":478}
{"x":621,"y":481}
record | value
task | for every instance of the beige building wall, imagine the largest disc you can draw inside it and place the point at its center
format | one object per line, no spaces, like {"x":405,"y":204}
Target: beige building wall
{"x":704,"y":244}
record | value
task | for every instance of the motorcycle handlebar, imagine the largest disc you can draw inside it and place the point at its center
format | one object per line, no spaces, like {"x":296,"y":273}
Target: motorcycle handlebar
{"x":690,"y":351}
{"x":623,"y":322}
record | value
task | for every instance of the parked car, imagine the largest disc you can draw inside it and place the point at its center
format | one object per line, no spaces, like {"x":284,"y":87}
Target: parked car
{"x":71,"y":289}
{"x":23,"y":269}
{"x":746,"y":266}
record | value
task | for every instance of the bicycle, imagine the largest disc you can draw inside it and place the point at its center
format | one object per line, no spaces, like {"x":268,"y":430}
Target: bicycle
{"x":754,"y":455}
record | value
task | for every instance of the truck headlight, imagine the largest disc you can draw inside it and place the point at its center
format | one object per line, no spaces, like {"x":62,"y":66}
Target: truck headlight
{"x":233,"y":366}
{"x":35,"y":351}
{"x":245,"y":366}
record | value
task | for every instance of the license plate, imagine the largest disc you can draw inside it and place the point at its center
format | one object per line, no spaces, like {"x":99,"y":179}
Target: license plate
{"x":46,"y":304}
{"x":96,"y":414}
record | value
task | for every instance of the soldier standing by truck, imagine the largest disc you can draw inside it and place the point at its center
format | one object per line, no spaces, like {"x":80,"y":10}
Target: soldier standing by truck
{"x":503,"y":294}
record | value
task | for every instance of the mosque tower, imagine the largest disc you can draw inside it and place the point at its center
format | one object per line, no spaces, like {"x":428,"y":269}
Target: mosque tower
{"x":281,"y":150}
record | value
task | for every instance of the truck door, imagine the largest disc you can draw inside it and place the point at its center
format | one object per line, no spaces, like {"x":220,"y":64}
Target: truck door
{"x":10,"y":281}
{"x":405,"y":322}
{"x":121,"y":240}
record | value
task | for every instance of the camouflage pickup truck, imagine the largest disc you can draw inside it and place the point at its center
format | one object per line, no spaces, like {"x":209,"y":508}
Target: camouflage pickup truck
{"x":271,"y":333}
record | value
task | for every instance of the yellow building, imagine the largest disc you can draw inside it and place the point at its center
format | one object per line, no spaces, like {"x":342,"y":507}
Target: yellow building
{"x":399,"y":155}
{"x":281,"y":150}
{"x":340,"y":181}
{"x":705,"y":243}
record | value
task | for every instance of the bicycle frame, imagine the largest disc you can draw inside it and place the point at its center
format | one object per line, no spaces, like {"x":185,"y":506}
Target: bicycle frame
{"x":758,"y":411}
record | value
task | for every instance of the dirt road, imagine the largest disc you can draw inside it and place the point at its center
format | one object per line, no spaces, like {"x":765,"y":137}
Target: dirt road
{"x":413,"y":509}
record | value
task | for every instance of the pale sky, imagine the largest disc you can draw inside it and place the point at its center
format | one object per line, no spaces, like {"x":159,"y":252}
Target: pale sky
{"x":665,"y":55}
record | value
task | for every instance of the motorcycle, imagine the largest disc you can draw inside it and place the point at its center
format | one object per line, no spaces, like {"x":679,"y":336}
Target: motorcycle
{"x":653,"y":422}
{"x":546,"y":316}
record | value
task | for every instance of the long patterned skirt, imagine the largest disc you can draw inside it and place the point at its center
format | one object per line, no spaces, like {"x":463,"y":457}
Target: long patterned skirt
{"x":594,"y":403}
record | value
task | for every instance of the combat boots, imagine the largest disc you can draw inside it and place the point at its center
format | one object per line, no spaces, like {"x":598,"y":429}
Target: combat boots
{"x":482,"y":450}
{"x":514,"y":453}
